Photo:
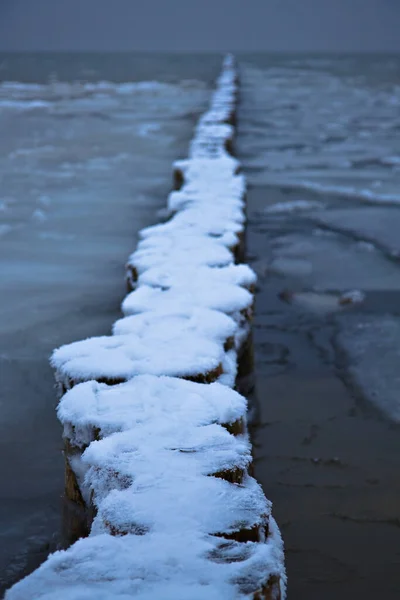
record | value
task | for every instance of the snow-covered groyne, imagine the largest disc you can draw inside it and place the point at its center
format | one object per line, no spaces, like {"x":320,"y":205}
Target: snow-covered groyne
{"x":158,"y":458}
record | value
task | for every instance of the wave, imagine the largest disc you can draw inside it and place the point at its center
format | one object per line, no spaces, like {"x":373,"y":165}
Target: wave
{"x":23,"y":104}
{"x":339,"y":190}
{"x":332,"y":130}
{"x":29,"y":96}
{"x":17,"y":89}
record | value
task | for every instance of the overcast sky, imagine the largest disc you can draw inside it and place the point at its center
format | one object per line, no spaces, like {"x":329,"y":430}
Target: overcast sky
{"x":287,"y":25}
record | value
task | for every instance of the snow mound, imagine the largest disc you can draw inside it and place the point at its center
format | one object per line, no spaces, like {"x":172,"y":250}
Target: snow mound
{"x":179,"y":250}
{"x":94,"y":406}
{"x":239,"y":275}
{"x":211,"y":324}
{"x":155,"y":566}
{"x":205,"y":183}
{"x":121,"y":357}
{"x":227,"y":298}
{"x":218,"y":221}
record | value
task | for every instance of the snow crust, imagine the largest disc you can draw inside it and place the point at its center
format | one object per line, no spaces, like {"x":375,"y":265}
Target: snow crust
{"x":227,"y":298}
{"x":163,"y":352}
{"x":142,"y":400}
{"x":196,"y":250}
{"x":155,"y":565}
{"x":193,"y":220}
{"x":173,"y":276}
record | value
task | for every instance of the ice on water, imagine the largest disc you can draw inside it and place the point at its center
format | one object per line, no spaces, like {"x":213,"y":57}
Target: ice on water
{"x":332,"y":125}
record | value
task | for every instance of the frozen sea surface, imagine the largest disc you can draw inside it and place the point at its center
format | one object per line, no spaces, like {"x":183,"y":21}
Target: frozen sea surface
{"x":326,"y":324}
{"x":85,"y":162}
{"x":331,"y":124}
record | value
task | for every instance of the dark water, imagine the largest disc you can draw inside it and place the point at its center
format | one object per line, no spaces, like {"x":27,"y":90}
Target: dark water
{"x":327,"y":439}
{"x":324,"y":456}
{"x":44,"y":67}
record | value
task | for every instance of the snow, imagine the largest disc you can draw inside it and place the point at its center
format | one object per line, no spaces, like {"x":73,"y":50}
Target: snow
{"x":239,"y":275}
{"x":218,"y":221}
{"x":120,"y":357}
{"x":189,"y":501}
{"x":155,"y":566}
{"x":211,"y":324}
{"x":168,"y":460}
{"x":213,"y":170}
{"x":143,"y":399}
{"x":211,"y":140}
{"x":227,"y":298}
{"x":230,"y":198}
{"x":154,"y":453}
{"x":229,"y":365}
{"x":197,"y":250}
{"x":207,"y":178}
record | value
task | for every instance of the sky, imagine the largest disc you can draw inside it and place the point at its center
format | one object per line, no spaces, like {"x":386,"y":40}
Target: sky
{"x":205,"y":25}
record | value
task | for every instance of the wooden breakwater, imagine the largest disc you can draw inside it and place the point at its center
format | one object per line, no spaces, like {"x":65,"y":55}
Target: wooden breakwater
{"x":158,"y":458}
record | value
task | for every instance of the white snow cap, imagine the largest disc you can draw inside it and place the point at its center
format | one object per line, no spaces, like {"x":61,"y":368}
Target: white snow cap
{"x":121,"y":357}
{"x":189,"y":502}
{"x":216,"y":221}
{"x":211,"y":140}
{"x":215,"y":171}
{"x":143,"y":400}
{"x":213,"y":197}
{"x":211,"y":324}
{"x":239,"y":275}
{"x":179,"y":250}
{"x":227,"y":298}
{"x":166,"y":566}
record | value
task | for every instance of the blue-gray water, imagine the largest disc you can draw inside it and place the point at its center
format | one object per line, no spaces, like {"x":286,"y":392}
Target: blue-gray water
{"x":43,"y":67}
{"x":319,"y":143}
{"x":333,"y":124}
{"x":86,"y":146}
